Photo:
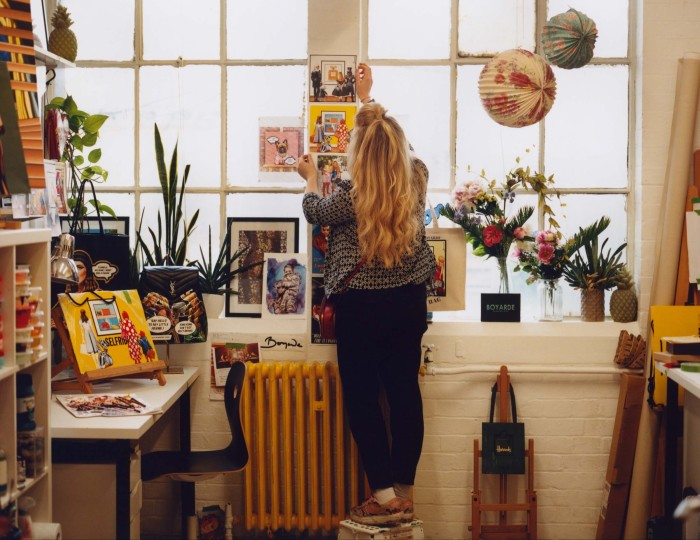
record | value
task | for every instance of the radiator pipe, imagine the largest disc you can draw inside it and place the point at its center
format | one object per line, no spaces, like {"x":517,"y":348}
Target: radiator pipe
{"x":529,"y":368}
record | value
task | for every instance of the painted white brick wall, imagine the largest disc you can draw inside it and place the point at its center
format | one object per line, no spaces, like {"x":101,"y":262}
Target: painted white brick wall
{"x":570,"y":417}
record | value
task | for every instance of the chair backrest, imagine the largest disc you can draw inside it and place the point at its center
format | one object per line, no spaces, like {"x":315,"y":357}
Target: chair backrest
{"x":232,"y":400}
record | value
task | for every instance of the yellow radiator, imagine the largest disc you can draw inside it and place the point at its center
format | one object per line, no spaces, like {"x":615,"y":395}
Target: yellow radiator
{"x":303,"y":470}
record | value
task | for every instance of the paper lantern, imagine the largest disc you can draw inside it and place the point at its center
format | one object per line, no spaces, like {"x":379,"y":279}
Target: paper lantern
{"x":517,"y":88}
{"x":568,"y":39}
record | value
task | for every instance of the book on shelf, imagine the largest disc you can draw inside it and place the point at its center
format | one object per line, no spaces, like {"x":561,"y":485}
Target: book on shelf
{"x":682,"y":344}
{"x":667,"y":357}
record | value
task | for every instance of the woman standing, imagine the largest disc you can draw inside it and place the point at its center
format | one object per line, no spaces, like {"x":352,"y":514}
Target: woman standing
{"x":89,"y":339}
{"x":377,"y":224}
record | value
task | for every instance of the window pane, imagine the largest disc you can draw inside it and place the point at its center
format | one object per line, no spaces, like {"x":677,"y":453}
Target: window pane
{"x":208,"y":206}
{"x":427,"y":125}
{"x":123,"y":206}
{"x":186,"y":105}
{"x":173,"y":28}
{"x":254,"y":92}
{"x":270,"y":30}
{"x":481,"y":142}
{"x":491,"y":26}
{"x":611,"y":19}
{"x":105,"y":29}
{"x":109,"y":91}
{"x":587,"y":128}
{"x":416,"y":29}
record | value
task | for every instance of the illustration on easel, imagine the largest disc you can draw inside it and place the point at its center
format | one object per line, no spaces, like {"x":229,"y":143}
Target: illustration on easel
{"x":105,"y":335}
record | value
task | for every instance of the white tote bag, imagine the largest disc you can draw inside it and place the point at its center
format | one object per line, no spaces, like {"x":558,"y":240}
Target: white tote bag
{"x":450,"y":249}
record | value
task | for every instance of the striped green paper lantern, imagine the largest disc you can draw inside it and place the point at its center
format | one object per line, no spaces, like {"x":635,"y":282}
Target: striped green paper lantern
{"x":568,"y":39}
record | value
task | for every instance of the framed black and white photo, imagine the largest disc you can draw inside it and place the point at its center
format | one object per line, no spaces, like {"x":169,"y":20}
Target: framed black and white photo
{"x":260,"y":236}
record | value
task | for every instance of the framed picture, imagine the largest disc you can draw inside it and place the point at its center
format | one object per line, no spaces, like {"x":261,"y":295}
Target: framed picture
{"x":284,"y":286}
{"x":111,"y":225}
{"x":281,"y":144}
{"x":260,"y":236}
{"x":332,"y":78}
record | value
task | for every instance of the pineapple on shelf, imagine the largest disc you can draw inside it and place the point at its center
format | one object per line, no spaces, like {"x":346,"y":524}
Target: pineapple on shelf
{"x":623,"y":300}
{"x":62,"y":40}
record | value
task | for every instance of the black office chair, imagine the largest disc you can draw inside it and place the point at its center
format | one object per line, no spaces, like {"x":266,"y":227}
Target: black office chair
{"x":192,"y":466}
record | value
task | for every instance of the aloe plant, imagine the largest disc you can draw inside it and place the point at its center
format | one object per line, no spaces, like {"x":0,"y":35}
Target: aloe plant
{"x":215,"y":275}
{"x":590,"y":266}
{"x":173,"y":248}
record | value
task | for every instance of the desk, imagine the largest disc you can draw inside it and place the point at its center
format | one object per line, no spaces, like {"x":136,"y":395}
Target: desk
{"x":109,"y":440}
{"x":689,"y":429}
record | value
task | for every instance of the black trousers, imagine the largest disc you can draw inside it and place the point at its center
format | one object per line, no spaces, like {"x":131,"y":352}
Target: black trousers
{"x":379,"y":347}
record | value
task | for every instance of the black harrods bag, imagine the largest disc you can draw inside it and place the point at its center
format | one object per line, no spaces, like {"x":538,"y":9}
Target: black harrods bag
{"x":503,"y":442}
{"x":172,"y":301}
{"x":102,"y":258}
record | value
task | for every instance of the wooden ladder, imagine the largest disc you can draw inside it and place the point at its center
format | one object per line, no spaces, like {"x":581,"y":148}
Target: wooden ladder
{"x":504,"y":530}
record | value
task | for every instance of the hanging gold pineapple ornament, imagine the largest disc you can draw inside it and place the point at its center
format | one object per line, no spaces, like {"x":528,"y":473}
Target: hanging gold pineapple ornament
{"x":62,"y":40}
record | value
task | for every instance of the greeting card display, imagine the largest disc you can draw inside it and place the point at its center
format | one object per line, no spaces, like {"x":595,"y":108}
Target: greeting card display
{"x":105,"y":335}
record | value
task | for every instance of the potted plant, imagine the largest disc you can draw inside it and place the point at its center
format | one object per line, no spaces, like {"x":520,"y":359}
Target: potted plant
{"x":171,"y":249}
{"x":592,"y":269}
{"x":79,"y":152}
{"x":215,"y":275}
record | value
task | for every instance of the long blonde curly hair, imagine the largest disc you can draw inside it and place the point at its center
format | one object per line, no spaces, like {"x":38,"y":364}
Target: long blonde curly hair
{"x":385,"y":193}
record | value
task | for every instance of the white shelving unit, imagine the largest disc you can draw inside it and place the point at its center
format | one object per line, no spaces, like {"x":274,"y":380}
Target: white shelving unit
{"x":31,"y":247}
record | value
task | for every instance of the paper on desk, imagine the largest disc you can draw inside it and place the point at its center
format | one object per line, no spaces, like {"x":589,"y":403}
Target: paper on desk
{"x":85,"y":405}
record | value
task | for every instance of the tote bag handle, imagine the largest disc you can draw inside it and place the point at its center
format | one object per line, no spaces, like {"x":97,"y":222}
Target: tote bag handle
{"x":80,"y":204}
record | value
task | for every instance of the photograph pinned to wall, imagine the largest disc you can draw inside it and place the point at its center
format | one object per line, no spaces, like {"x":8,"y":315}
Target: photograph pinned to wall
{"x":332,"y":168}
{"x":284,"y":286}
{"x":319,"y":247}
{"x":332,"y":78}
{"x":227,"y":348}
{"x":260,"y":236}
{"x":330,"y":128}
{"x":60,"y":183}
{"x":281,"y":143}
{"x":317,"y":292}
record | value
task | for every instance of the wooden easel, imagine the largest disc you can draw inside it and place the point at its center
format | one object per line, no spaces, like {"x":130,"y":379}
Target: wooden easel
{"x":503,"y":529}
{"x":83,"y":381}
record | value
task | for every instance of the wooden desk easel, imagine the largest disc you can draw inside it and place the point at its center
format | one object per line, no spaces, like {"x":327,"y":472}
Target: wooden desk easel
{"x":503,"y":529}
{"x":83,"y":380}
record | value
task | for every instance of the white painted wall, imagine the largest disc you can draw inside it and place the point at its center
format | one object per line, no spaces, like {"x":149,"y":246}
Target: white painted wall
{"x":570,"y":417}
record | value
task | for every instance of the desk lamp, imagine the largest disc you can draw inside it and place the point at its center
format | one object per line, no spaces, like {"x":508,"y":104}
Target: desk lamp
{"x":63,"y":269}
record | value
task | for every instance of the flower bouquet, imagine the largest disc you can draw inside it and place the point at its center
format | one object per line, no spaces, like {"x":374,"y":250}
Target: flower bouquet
{"x":480,"y":207}
{"x":545,"y":258}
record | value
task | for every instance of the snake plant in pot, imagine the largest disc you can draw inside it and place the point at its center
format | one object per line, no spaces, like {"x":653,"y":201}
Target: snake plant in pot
{"x":216,"y":274}
{"x":592,"y":269}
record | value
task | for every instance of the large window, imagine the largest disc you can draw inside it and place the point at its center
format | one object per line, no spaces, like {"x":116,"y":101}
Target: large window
{"x":205,"y":73}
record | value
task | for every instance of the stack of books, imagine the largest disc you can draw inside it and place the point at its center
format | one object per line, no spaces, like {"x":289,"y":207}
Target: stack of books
{"x":681,"y":350}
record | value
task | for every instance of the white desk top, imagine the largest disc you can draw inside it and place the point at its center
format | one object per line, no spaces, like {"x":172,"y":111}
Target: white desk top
{"x":687,"y":379}
{"x":63,"y":425}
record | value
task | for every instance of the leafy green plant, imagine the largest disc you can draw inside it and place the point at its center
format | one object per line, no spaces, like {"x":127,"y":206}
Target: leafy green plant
{"x":80,"y":153}
{"x":168,"y":246}
{"x":591,"y":266}
{"x":216,"y":274}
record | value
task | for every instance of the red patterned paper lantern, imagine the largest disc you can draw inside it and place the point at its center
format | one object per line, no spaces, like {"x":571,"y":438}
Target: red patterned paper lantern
{"x":517,"y":88}
{"x":568,"y":39}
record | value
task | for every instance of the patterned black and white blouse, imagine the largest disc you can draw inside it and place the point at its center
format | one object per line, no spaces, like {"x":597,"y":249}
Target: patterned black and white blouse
{"x":344,"y":253}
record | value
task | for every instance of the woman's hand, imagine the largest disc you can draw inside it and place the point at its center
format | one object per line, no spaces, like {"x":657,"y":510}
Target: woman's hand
{"x":307,"y":170}
{"x":364,"y":81}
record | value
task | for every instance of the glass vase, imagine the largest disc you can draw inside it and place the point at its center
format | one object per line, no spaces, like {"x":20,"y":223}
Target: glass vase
{"x":550,"y":294}
{"x":503,"y":276}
